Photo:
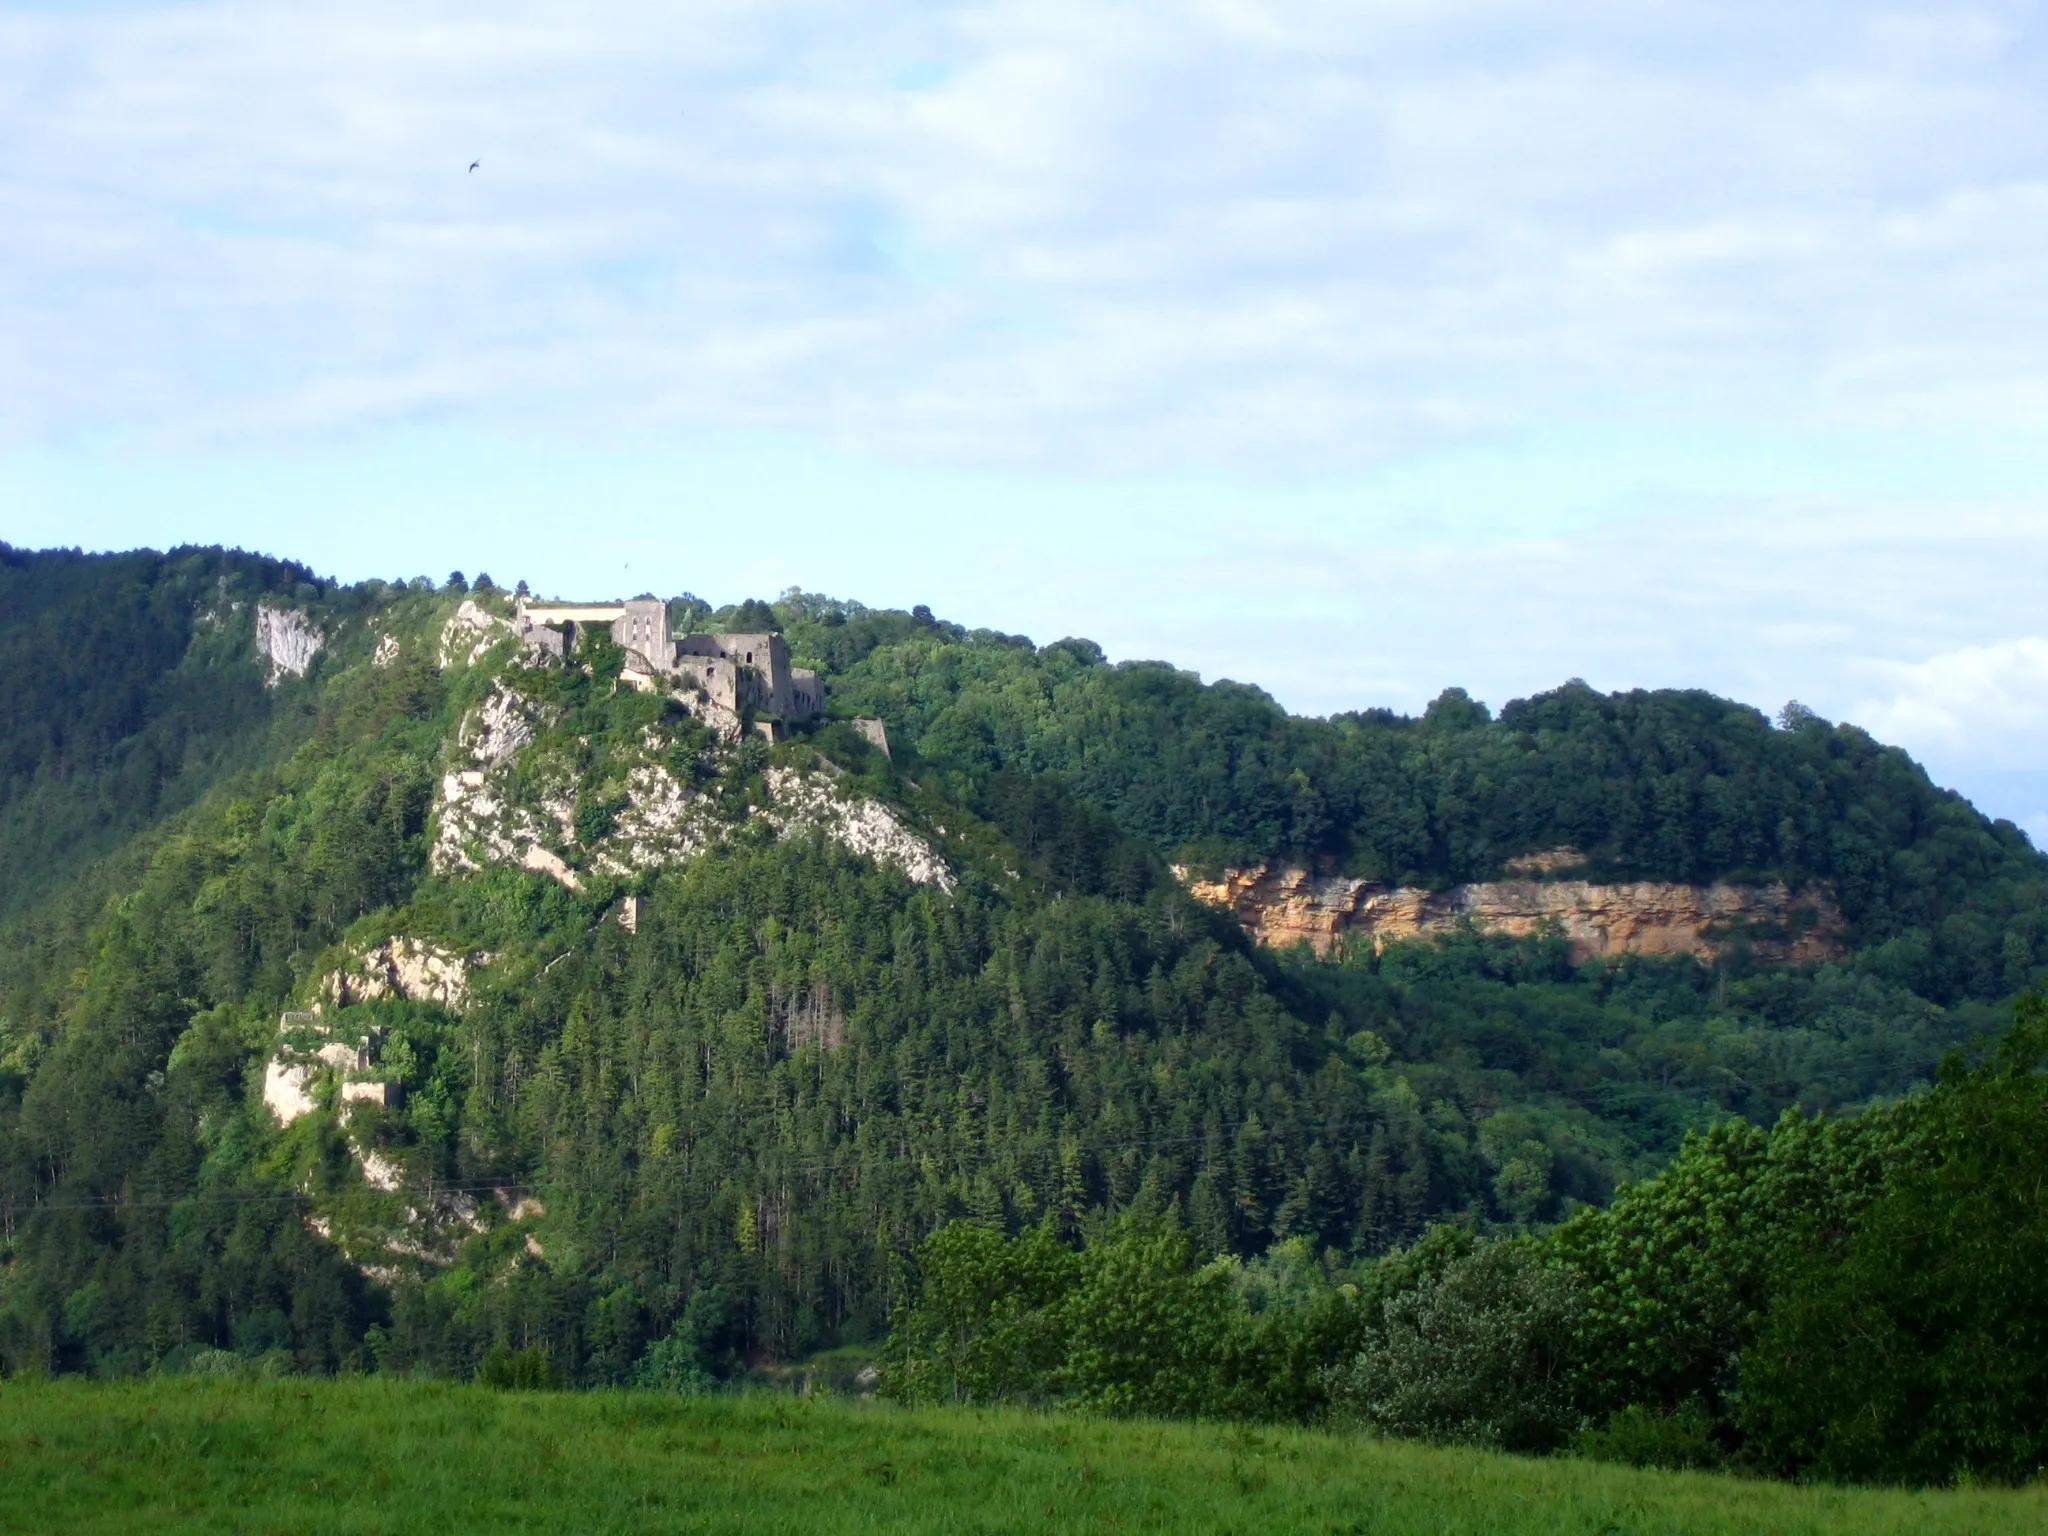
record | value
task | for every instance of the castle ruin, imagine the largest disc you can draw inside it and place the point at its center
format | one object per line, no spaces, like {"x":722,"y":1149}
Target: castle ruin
{"x":734,"y":672}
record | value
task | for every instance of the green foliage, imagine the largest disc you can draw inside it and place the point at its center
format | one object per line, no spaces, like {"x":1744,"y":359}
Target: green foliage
{"x":1481,"y":1353}
{"x":1914,"y":1347}
{"x":1299,"y":1312}
{"x":385,"y":1454}
{"x":1680,"y":1269}
{"x":987,"y":1324}
{"x":1144,"y":1330}
{"x":517,"y":1370}
{"x":1858,"y":1300}
{"x":725,"y":1133}
{"x":1668,"y":785}
{"x":684,"y":1361}
{"x":1641,"y":1437}
{"x":129,"y":685}
{"x":1130,"y":1324}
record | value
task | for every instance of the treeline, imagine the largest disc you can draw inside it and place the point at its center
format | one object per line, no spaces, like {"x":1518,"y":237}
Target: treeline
{"x":1671,"y":785}
{"x":1862,"y":1300}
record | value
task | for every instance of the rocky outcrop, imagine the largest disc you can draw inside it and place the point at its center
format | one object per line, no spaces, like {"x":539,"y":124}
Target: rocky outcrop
{"x":801,"y":803}
{"x":469,"y":632}
{"x":1282,"y":907}
{"x":491,"y":815}
{"x":306,"y":1048}
{"x":288,"y":640}
{"x":477,"y":824}
{"x":288,"y":1079}
{"x":406,"y":969}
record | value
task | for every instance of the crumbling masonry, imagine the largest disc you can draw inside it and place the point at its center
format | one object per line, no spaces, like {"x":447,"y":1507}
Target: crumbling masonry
{"x":734,"y":672}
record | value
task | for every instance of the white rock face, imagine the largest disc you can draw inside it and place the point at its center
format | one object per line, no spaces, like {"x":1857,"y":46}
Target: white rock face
{"x":476,"y":824}
{"x":489,"y":817}
{"x":285,"y":1081}
{"x":663,"y":824}
{"x":386,"y":652}
{"x":543,"y":862}
{"x":503,"y":725}
{"x":288,"y":640}
{"x":861,"y":825}
{"x":469,"y":633}
{"x":407,"y":969}
{"x":379,"y":1172}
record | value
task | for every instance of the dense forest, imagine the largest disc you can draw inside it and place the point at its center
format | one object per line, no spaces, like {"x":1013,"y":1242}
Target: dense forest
{"x":721,"y":1139}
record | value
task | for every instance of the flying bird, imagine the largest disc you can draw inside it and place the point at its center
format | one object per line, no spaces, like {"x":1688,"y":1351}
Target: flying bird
{"x":474,"y":164}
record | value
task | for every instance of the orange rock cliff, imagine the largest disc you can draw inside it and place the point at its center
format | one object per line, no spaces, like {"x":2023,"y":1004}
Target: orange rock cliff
{"x":1281,"y":907}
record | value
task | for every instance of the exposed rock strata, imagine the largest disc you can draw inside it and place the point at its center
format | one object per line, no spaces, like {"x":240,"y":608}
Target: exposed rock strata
{"x":1281,"y":907}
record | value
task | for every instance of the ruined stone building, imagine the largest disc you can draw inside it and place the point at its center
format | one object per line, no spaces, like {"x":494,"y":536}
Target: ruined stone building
{"x":734,"y":672}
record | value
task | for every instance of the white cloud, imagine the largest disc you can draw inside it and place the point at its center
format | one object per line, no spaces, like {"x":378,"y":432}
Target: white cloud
{"x":1146,"y":237}
{"x":1990,"y":701}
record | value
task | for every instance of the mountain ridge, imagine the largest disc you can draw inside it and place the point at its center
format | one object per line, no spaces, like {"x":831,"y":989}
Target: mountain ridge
{"x":735,"y":1112}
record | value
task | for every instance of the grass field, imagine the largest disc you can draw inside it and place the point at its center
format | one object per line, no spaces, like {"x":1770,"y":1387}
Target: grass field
{"x":310,"y":1457}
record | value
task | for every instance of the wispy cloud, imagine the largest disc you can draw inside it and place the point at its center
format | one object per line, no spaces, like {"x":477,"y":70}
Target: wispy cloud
{"x":1266,"y":237}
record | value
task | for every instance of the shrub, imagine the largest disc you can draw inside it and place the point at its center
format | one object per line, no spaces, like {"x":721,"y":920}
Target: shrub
{"x":517,"y":1370}
{"x":982,"y":1329}
{"x":1480,"y":1354}
{"x":1130,"y":1325}
{"x":1144,"y":1332}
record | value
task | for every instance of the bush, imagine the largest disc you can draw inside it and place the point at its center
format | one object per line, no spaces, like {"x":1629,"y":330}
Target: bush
{"x":1480,"y":1354}
{"x":1130,"y":1325}
{"x":1144,"y":1332}
{"x":517,"y":1370}
{"x":982,"y":1329}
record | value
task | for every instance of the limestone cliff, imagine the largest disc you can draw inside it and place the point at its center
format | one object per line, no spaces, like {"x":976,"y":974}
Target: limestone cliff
{"x":511,"y":795}
{"x":288,"y":641}
{"x":1281,"y":907}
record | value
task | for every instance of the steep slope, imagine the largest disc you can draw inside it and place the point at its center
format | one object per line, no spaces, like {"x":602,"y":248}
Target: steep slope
{"x":507,"y":997}
{"x":130,"y":684}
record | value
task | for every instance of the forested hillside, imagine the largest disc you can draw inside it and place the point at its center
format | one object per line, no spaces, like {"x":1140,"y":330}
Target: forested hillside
{"x":711,"y":1138}
{"x":129,"y":685}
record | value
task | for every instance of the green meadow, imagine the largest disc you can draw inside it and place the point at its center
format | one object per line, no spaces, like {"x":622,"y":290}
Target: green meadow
{"x":310,"y":1456}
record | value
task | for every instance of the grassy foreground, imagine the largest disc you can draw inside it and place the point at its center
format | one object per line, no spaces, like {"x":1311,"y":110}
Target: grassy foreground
{"x":369,"y":1455}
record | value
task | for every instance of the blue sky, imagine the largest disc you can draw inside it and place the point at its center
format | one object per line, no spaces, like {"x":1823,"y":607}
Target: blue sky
{"x":1354,"y":350}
